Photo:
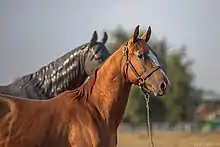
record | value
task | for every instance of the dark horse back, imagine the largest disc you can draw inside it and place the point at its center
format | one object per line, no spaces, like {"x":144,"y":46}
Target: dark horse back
{"x":22,"y":87}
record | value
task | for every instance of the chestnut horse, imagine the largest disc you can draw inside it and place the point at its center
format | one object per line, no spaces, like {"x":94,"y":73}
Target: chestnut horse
{"x":89,"y":115}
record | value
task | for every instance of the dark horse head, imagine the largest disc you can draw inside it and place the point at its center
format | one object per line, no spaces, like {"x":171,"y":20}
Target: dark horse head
{"x":66,"y":73}
{"x":97,"y":53}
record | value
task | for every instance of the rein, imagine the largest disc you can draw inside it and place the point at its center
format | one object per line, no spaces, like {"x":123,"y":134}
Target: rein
{"x":141,"y":80}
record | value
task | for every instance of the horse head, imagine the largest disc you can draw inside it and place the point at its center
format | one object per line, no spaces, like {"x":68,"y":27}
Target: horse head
{"x":142,"y":66}
{"x":97,"y":53}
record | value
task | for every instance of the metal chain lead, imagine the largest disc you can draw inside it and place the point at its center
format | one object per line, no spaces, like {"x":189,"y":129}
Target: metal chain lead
{"x":147,"y":99}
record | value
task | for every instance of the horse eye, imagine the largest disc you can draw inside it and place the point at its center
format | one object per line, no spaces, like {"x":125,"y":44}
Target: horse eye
{"x":96,"y":56}
{"x":99,"y":58}
{"x":140,"y":55}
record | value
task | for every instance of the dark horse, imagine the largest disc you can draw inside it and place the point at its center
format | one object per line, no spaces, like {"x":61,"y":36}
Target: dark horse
{"x":66,"y":73}
{"x":89,"y":115}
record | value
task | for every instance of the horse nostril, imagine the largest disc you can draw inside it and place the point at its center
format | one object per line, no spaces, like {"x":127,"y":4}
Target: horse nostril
{"x":163,"y":86}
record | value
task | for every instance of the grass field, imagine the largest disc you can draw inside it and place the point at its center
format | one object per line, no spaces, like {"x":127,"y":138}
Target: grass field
{"x":170,"y":139}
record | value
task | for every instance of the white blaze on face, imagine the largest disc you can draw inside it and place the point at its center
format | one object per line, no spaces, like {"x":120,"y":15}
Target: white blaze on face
{"x":152,"y":57}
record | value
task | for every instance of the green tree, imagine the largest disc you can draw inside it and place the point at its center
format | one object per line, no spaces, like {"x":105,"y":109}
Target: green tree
{"x":178,"y":100}
{"x":183,"y":97}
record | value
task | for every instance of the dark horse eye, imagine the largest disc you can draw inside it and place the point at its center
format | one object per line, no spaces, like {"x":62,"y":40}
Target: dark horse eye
{"x":99,"y":58}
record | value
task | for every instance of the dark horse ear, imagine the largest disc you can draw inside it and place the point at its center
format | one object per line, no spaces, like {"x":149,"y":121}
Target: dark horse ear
{"x":94,"y":39}
{"x":134,"y":36}
{"x":146,"y":35}
{"x":105,"y":38}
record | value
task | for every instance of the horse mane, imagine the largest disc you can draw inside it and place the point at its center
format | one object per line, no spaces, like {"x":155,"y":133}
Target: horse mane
{"x":56,"y":76}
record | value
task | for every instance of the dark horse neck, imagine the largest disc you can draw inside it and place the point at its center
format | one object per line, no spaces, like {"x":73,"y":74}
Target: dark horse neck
{"x":66,"y":73}
{"x":62,"y":74}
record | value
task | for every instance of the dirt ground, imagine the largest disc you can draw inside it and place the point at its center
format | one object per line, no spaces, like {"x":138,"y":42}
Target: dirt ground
{"x":170,"y":139}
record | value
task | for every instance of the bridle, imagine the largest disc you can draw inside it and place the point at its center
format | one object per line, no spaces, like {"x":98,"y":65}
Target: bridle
{"x":145,"y":75}
{"x":141,"y":79}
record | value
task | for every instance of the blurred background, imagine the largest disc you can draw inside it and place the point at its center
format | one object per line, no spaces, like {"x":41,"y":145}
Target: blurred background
{"x":185,"y":36}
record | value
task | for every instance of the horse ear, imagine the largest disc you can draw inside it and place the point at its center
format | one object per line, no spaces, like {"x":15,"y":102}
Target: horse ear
{"x":146,"y":35}
{"x":134,"y":36}
{"x":105,"y":38}
{"x":93,"y":39}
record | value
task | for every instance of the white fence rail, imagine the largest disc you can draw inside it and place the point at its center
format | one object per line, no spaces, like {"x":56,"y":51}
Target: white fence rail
{"x":185,"y":127}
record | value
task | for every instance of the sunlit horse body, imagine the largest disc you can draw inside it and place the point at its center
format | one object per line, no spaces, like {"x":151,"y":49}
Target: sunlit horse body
{"x":66,"y":73}
{"x":89,"y":115}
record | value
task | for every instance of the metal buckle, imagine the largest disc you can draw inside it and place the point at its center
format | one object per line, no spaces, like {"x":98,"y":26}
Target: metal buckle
{"x":124,"y":50}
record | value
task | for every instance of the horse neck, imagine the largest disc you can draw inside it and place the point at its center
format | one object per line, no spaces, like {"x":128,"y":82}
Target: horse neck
{"x":65,"y":73}
{"x":111,"y":91}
